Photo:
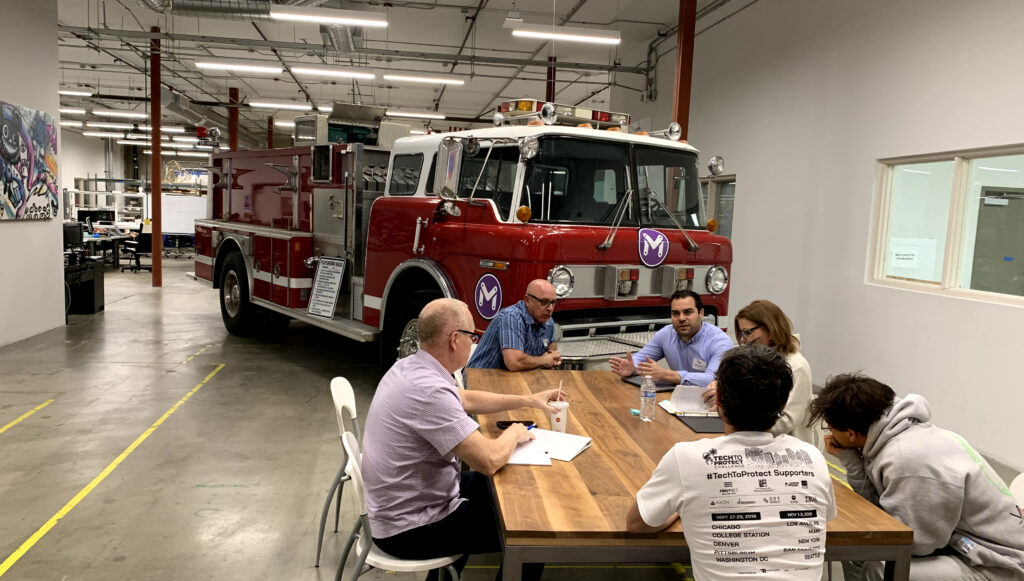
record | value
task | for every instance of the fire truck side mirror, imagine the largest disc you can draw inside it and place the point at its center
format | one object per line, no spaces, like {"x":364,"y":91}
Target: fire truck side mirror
{"x":449,"y":167}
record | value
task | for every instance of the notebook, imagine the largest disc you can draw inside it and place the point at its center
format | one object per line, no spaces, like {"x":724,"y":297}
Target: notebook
{"x":659,"y":386}
{"x":704,"y":425}
{"x":548,"y":446}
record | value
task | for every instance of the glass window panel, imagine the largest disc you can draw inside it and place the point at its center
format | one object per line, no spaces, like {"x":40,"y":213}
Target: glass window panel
{"x":918,"y":215}
{"x":405,"y":174}
{"x":725,"y":197}
{"x":578,"y":181}
{"x":993,"y":248}
{"x":670,"y":177}
{"x":495,"y":180}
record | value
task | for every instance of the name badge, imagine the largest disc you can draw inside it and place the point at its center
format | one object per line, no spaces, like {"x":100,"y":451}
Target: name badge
{"x":699,"y":364}
{"x":545,"y":341}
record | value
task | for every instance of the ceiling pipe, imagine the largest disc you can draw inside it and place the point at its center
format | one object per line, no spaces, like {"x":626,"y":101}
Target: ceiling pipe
{"x":225,"y":9}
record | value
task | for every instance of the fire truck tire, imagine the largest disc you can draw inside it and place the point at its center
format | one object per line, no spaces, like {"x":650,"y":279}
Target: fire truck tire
{"x":400,"y":334}
{"x":239,"y":314}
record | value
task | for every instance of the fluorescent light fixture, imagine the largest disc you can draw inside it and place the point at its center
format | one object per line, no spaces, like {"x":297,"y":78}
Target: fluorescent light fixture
{"x":186,"y":139}
{"x":102,"y":134}
{"x":927,"y":173}
{"x":332,"y":72}
{"x":566,"y":34}
{"x":292,"y":105}
{"x":285,"y":124}
{"x":393,"y":113}
{"x":120,"y":113}
{"x":999,"y":169}
{"x":131,"y":142}
{"x":70,"y":123}
{"x":75,"y":93}
{"x":163,"y":129}
{"x":417,"y":132}
{"x":101,"y":125}
{"x":239,"y":65}
{"x":325,"y":108}
{"x":71,"y":111}
{"x":435,"y":80}
{"x":178,"y":153}
{"x":327,"y":16}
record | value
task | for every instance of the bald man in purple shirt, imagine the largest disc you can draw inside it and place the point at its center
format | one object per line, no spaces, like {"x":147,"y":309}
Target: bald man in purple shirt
{"x":419,"y":504}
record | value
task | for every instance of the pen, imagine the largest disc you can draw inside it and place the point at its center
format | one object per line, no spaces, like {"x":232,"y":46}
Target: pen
{"x":531,"y":426}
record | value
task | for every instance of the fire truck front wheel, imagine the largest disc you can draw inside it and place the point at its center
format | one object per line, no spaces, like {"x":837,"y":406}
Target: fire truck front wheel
{"x":401,"y":335}
{"x":235,"y":308}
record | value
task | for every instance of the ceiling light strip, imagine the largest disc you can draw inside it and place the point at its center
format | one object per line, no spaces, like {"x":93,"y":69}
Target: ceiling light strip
{"x":328,"y":16}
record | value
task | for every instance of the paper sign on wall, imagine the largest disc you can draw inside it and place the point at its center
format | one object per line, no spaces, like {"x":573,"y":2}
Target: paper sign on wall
{"x":326,"y":286}
{"x":905,"y":256}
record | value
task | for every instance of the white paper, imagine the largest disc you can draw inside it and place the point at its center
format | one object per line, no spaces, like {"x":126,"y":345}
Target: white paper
{"x":688,"y":400}
{"x":561,"y":446}
{"x":532,"y":453}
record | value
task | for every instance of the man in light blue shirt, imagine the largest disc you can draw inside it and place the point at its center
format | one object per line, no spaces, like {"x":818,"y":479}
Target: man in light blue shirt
{"x":521,"y":336}
{"x":692,"y":349}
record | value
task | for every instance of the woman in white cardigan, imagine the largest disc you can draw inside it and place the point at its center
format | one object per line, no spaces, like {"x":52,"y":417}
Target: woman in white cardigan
{"x":763,"y":322}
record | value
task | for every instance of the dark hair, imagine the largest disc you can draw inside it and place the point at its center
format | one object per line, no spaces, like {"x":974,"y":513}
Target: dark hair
{"x":687,"y":294}
{"x":768,"y":315}
{"x":851,"y":401}
{"x":753,"y":386}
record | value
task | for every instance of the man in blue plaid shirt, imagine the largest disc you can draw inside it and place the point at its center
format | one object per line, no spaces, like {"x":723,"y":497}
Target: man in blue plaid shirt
{"x":521,"y":337}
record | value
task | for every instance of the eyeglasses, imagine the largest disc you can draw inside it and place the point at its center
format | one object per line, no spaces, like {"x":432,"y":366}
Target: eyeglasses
{"x":544,"y":302}
{"x":824,"y":426}
{"x":473,"y":335}
{"x":745,"y":333}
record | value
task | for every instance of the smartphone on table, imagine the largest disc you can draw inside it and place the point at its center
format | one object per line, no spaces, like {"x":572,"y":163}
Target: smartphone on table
{"x":504,"y":424}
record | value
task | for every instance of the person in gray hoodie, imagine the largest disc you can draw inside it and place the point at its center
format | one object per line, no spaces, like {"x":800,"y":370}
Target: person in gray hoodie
{"x":966,"y":523}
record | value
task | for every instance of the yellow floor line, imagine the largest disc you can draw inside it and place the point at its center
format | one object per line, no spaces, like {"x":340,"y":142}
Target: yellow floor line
{"x":24,"y":548}
{"x":838,"y":469}
{"x":193,"y":356}
{"x":25,"y":415}
{"x":843,"y":482}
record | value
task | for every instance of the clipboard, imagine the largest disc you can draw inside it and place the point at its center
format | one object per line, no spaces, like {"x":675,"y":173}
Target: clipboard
{"x":704,"y":424}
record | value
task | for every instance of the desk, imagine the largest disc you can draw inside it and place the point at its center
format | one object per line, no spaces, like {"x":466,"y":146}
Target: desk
{"x":114,"y":239}
{"x":575,"y":512}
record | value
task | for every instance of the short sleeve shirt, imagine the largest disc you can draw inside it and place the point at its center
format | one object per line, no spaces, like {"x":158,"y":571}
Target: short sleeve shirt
{"x":512,"y":328}
{"x":415,"y":421}
{"x":750,"y":504}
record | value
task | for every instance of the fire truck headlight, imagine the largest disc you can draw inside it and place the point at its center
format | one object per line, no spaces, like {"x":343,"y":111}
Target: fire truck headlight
{"x":528,"y":148}
{"x":499,"y":119}
{"x":717,"y":280}
{"x":563,"y":280}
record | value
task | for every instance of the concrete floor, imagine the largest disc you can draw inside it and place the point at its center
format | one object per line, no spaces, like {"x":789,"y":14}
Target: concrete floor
{"x":229,"y":486}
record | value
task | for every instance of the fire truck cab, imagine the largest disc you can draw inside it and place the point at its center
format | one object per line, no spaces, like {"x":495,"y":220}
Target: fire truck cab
{"x":615,"y":221}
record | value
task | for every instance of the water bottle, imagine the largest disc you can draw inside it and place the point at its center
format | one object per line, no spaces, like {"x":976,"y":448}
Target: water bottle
{"x":647,"y":398}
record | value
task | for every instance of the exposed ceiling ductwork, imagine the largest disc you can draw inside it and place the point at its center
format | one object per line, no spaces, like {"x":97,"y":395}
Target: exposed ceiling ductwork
{"x":225,"y":9}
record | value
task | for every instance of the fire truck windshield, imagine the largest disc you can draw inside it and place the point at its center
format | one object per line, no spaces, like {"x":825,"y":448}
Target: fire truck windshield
{"x":582,"y":182}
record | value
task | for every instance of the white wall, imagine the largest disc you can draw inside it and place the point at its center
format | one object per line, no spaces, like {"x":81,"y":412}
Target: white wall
{"x":80,"y":157}
{"x":802,"y":98}
{"x":32,"y":276}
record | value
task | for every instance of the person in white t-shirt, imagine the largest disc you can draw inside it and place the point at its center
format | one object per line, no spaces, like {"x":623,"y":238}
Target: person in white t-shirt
{"x":750,"y":503}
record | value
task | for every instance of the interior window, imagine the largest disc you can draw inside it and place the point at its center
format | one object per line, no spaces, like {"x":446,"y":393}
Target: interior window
{"x":405,"y":174}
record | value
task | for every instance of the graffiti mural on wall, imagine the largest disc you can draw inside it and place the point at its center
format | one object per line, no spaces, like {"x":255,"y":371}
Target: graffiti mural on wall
{"x":28,"y":164}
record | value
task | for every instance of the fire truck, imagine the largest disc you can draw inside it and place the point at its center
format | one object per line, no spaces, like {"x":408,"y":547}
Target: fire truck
{"x":357,"y":239}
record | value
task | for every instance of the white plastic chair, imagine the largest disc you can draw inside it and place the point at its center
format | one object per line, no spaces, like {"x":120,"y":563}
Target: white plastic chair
{"x":344,"y":407}
{"x":369,"y":555}
{"x":1017,"y":489}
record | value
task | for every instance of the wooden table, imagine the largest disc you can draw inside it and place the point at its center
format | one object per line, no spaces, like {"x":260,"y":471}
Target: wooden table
{"x":575,"y":512}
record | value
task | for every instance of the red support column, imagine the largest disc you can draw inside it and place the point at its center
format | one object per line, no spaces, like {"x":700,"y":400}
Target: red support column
{"x":232,"y":119}
{"x":156,"y":168}
{"x":270,"y":133}
{"x":549,"y":93}
{"x":684,"y":64}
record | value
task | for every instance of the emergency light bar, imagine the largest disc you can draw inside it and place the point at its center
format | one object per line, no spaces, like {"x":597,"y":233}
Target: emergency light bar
{"x":567,"y":114}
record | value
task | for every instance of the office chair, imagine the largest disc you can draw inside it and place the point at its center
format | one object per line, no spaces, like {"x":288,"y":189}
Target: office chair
{"x":369,"y":555}
{"x":344,"y":407}
{"x":141,"y":246}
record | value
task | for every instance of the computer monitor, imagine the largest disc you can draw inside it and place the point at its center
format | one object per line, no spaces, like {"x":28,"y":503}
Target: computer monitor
{"x":96,"y":215}
{"x":72,"y":235}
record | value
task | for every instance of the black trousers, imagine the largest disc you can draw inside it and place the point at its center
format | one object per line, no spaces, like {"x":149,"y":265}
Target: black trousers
{"x":472,"y":529}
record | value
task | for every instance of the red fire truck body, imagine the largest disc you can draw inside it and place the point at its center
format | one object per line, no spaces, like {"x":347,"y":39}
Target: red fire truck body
{"x":579,"y":210}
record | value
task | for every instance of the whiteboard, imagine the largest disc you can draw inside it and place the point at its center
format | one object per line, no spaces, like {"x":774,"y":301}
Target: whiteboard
{"x":179,"y":213}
